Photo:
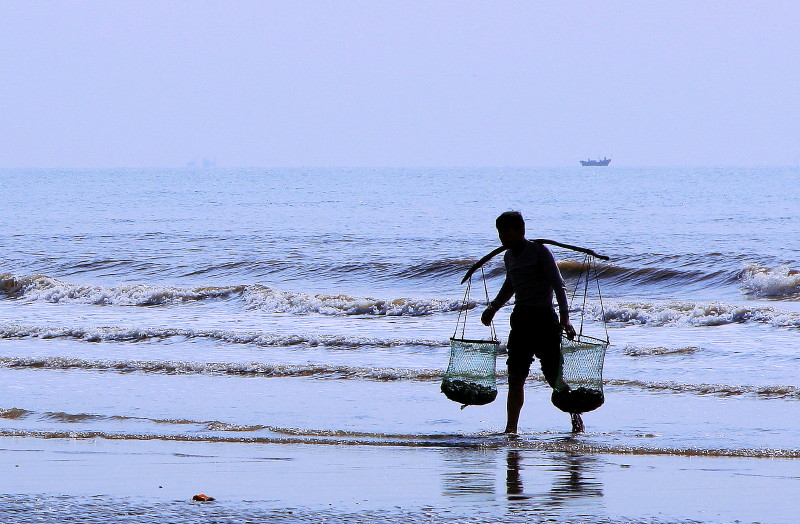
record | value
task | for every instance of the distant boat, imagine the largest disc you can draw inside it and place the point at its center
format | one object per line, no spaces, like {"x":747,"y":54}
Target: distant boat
{"x":590,"y":162}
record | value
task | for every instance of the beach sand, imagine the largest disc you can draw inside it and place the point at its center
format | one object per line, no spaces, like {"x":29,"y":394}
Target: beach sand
{"x":96,"y":480}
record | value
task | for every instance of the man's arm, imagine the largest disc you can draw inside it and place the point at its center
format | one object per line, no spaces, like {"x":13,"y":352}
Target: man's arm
{"x":554,"y":278}
{"x":503,"y":296}
{"x":563,"y":311}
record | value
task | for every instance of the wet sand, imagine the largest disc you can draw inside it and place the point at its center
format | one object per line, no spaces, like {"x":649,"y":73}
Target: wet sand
{"x":50,"y":480}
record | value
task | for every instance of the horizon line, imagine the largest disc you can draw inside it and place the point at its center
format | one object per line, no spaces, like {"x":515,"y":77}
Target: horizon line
{"x":548,"y":166}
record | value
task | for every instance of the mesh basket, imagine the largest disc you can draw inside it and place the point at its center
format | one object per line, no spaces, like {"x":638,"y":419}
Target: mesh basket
{"x":579,"y":386}
{"x":470,"y":378}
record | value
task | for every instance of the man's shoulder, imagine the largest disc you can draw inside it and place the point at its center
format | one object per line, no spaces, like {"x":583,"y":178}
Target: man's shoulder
{"x":539,"y":247}
{"x":528,"y":255}
{"x":536,"y":247}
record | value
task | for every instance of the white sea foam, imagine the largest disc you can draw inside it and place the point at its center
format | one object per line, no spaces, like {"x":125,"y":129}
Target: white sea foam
{"x":256,"y":296}
{"x":48,"y":289}
{"x":280,"y":301}
{"x":264,"y":339}
{"x":639,"y":351}
{"x":779,"y":282}
{"x":225,"y":368}
{"x":694,"y":314}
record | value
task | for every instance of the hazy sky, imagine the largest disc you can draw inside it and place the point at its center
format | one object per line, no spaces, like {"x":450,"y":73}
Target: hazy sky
{"x":399,"y":83}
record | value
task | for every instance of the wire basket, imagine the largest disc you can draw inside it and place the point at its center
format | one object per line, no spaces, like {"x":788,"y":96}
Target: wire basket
{"x":579,"y":385}
{"x":471,"y":378}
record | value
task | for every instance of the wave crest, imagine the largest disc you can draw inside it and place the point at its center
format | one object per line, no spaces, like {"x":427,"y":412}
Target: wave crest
{"x":781,"y":282}
{"x":262,"y":339}
{"x":223,"y":368}
{"x":278,"y":301}
{"x":255,"y":296}
{"x":48,"y":289}
{"x":694,"y":314}
{"x":766,"y":392}
{"x":636,"y":351}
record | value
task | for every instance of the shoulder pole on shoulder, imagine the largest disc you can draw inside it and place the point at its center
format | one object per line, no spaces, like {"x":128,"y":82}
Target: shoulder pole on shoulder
{"x":500,"y":249}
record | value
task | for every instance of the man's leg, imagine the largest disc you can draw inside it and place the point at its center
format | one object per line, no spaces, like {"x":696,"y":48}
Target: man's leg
{"x":577,"y":423}
{"x":516,"y":398}
{"x":549,"y":355}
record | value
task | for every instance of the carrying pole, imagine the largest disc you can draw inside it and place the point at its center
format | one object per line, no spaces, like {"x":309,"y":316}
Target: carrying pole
{"x":500,"y":249}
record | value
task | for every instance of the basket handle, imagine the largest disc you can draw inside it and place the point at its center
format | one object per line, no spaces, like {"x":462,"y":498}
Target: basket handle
{"x":462,"y":312}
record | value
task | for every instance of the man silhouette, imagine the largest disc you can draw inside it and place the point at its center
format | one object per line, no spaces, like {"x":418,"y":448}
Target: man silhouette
{"x":533,"y":276}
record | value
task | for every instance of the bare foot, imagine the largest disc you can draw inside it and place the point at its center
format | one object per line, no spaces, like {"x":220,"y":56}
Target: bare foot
{"x":577,"y":423}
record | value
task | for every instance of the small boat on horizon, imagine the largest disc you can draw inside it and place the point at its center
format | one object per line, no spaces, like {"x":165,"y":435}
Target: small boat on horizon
{"x":591,"y":162}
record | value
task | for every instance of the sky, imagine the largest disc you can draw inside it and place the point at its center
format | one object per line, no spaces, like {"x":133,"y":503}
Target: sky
{"x":382,"y":83}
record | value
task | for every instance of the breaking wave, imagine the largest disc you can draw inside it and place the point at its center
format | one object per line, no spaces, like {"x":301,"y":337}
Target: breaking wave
{"x":693,"y":314}
{"x":256,"y":296}
{"x":334,"y":372}
{"x":251,"y":369}
{"x":635,"y":351}
{"x":48,"y":289}
{"x":721,"y":390}
{"x":781,"y":282}
{"x":112,"y":334}
{"x":274,"y":300}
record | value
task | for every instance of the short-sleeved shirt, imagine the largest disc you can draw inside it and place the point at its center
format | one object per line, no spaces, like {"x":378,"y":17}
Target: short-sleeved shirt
{"x":533,"y":276}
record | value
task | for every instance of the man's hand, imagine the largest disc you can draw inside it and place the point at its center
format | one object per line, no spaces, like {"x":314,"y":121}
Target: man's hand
{"x":488,"y":315}
{"x":568,"y":329}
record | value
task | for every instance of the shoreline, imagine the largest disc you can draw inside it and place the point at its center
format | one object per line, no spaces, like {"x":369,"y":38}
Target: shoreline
{"x":553,"y":443}
{"x":387,"y":483}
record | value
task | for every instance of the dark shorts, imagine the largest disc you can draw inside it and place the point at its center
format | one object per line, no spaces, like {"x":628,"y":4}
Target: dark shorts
{"x":535,"y":332}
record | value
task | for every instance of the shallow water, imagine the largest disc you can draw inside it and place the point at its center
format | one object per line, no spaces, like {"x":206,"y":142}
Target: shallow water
{"x":143,"y":481}
{"x":313,"y":307}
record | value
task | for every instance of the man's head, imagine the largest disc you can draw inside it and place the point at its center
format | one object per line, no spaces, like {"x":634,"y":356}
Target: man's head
{"x":511,"y":228}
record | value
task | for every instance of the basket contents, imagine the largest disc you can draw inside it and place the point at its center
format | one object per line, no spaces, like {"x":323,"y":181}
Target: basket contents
{"x":579,"y":387}
{"x":470,"y":377}
{"x":468,"y":393}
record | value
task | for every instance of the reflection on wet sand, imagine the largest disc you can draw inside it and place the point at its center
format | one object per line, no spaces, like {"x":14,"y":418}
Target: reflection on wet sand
{"x":567,"y":474}
{"x":514,"y":486}
{"x":470,"y":473}
{"x":572,"y":479}
{"x":553,"y":480}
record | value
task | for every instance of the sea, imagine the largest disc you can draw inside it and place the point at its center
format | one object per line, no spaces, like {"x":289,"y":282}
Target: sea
{"x":308,"y":311}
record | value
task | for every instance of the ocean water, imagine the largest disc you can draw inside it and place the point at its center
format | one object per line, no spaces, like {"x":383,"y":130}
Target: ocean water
{"x":312,"y":307}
